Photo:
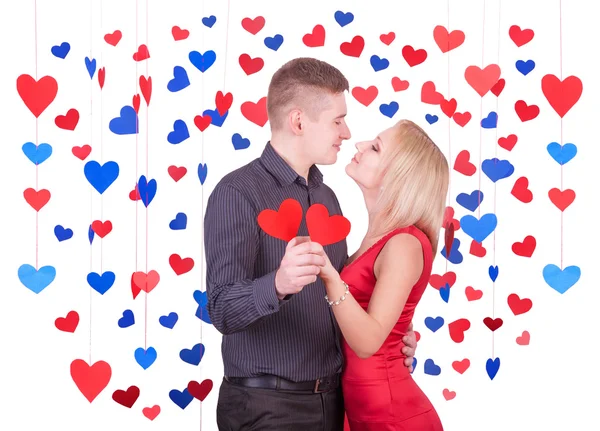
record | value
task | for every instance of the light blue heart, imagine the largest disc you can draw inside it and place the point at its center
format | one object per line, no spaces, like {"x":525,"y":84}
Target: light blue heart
{"x":479,"y":229}
{"x":145,"y":358}
{"x":38,"y":154}
{"x":562,"y":154}
{"x":36,"y":280}
{"x":561,"y":280}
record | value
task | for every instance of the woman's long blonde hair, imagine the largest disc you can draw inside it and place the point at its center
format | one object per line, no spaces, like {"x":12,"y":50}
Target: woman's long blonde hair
{"x":415,"y":184}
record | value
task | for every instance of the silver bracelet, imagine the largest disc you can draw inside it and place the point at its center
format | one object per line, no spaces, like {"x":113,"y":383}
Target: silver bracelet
{"x":343,"y":297}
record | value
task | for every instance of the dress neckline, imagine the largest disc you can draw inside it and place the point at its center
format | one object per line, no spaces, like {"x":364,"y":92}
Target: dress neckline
{"x":371,"y":247}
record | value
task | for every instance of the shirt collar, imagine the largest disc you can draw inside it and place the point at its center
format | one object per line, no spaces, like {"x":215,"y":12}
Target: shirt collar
{"x":283,"y":172}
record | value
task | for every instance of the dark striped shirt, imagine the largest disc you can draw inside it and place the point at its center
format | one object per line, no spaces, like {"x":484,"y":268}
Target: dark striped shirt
{"x":298,"y":338}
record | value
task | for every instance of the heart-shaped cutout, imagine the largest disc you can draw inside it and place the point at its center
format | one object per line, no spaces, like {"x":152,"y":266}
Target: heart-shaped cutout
{"x":326,"y":229}
{"x":283,"y":223}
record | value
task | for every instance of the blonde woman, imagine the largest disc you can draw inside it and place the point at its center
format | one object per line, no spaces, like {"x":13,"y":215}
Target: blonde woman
{"x":404,"y":179}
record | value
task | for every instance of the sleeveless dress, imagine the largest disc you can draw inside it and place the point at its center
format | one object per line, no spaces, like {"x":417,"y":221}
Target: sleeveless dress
{"x":379,"y":392}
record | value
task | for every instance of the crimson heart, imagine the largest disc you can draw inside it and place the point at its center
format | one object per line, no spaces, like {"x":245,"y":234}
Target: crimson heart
{"x":284,"y":223}
{"x":223,"y":102}
{"x":457,"y":329}
{"x":126,"y":398}
{"x":68,"y":323}
{"x":200,"y":390}
{"x":326,"y":229}
{"x":493,"y":324}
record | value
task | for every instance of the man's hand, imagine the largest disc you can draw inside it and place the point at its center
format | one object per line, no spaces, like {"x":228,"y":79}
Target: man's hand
{"x":410,"y":341}
{"x":300,"y":266}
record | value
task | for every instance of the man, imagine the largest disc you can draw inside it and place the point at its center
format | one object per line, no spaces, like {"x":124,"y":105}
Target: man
{"x":281,"y":343}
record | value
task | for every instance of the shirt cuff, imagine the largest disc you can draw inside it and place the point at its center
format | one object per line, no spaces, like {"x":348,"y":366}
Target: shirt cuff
{"x":265,"y":295}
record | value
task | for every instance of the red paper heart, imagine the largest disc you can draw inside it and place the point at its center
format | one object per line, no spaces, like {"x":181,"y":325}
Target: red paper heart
{"x":429,"y":95}
{"x":498,"y":87}
{"x":90,"y":380}
{"x":524,"y":339}
{"x":326,"y":229}
{"x":316,"y":38}
{"x":136,"y":103}
{"x":151,"y":412}
{"x":256,"y":112}
{"x":126,"y":398}
{"x":37,"y":95}
{"x":134,"y":195}
{"x":251,"y":65}
{"x":524,"y":248}
{"x":561,"y":199}
{"x":526,"y":112}
{"x":508,"y":143}
{"x":448,"y":107}
{"x":354,"y":48}
{"x":179,"y":34}
{"x":135,"y":290}
{"x":482,"y":80}
{"x":146,"y":88}
{"x":562,"y":95}
{"x":518,"y":36}
{"x":520,"y":190}
{"x":101,"y":77}
{"x":477,"y":249}
{"x":449,"y":395}
{"x":461,"y":366}
{"x":449,"y":218}
{"x":68,"y":323}
{"x":223,"y":102}
{"x":447,"y":41}
{"x":179,"y":265}
{"x":200,"y":390}
{"x":253,"y":26}
{"x":177,"y":173}
{"x":473,"y":294}
{"x":413,"y":57}
{"x":37,"y":199}
{"x":142,"y":53}
{"x":283,"y":223}
{"x":448,"y":236}
{"x":102,"y":228}
{"x":68,"y":121}
{"x":493,"y":324}
{"x":463,"y":165}
{"x":81,"y":152}
{"x":113,"y":38}
{"x":146,"y":282}
{"x":388,"y":38}
{"x":438,"y":281}
{"x":365,"y":96}
{"x":462,"y":119}
{"x":518,"y":305}
{"x":399,"y":85}
{"x":457,"y":329}
{"x":201,"y":122}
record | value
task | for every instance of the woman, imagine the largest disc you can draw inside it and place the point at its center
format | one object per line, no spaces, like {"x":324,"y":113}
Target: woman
{"x":404,"y":179}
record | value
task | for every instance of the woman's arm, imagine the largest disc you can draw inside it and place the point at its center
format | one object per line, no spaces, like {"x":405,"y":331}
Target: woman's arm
{"x":398,"y":267}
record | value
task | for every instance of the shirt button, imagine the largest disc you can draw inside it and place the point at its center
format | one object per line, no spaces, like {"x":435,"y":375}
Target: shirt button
{"x":271,"y":307}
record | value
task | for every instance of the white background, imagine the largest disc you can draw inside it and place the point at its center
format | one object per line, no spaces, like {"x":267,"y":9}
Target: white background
{"x":549,"y":385}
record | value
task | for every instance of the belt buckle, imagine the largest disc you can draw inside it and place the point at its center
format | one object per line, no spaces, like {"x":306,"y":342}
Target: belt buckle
{"x":316,"y":389}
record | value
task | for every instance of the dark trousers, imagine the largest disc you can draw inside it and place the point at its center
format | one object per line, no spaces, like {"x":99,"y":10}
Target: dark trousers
{"x":241,"y":408}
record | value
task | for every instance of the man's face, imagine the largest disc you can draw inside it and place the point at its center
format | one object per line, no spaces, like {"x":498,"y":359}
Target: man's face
{"x":324,"y":136}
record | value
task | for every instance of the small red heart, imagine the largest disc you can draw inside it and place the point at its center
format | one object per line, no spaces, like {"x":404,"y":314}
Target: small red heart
{"x":37,"y":95}
{"x":136,"y":103}
{"x":498,"y":87}
{"x":449,"y":218}
{"x":101,"y":77}
{"x":253,"y":26}
{"x":508,"y":143}
{"x":520,"y":37}
{"x":201,"y":122}
{"x":526,"y":112}
{"x":562,"y":199}
{"x":126,"y":398}
{"x":68,"y":323}
{"x":518,"y":305}
{"x":177,"y":173}
{"x":493,"y":324}
{"x":354,"y":48}
{"x":429,"y":95}
{"x":251,"y":65}
{"x":417,"y":335}
{"x":142,"y":53}
{"x":388,"y":38}
{"x":146,"y":88}
{"x":37,"y":199}
{"x":477,"y":249}
{"x":68,"y":121}
{"x":365,"y":96}
{"x":413,"y":57}
{"x":449,"y":236}
{"x":473,"y":294}
{"x":102,"y":228}
{"x":462,"y":118}
{"x":135,"y":290}
{"x":223,"y":102}
{"x":113,"y":38}
{"x":146,"y":282}
{"x":283,"y":223}
{"x":134,"y":195}
{"x":90,"y":380}
{"x":457,"y":329}
{"x":463,"y":165}
{"x":316,"y":38}
{"x":461,"y":366}
{"x":326,"y":229}
{"x":398,"y":84}
{"x":256,"y":112}
{"x":448,"y":107}
{"x":200,"y":390}
{"x":520,"y":190}
{"x":449,"y":395}
{"x":151,"y":412}
{"x":524,"y":248}
{"x":179,"y":34}
{"x":179,"y":265}
{"x":81,"y":152}
{"x":524,"y":339}
{"x":438,"y":281}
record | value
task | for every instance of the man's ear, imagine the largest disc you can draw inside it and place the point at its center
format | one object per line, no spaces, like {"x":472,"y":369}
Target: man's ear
{"x":295,"y":119}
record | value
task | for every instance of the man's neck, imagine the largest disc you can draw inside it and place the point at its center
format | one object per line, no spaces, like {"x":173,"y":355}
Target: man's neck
{"x":288,"y":152}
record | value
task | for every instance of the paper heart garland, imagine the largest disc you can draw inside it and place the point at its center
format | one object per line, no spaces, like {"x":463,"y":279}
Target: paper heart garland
{"x":285,"y":222}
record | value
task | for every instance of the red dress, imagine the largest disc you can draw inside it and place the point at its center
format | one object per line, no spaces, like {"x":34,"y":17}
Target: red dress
{"x":379,"y":392}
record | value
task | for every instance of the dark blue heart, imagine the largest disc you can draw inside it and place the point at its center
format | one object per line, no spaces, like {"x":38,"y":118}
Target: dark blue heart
{"x":431,"y":368}
{"x":239,"y":143}
{"x":490,"y":121}
{"x":470,"y":202}
{"x":194,"y":355}
{"x":431,"y":118}
{"x":445,"y":293}
{"x":90,"y":65}
{"x":101,"y":176}
{"x":455,"y":255}
{"x":181,"y":399}
{"x":202,"y":61}
{"x":147,"y":190}
{"x":414,"y":364}
{"x":379,"y":63}
{"x":169,"y":321}
{"x":343,"y":18}
{"x":497,"y":169}
{"x":101,"y":283}
{"x":180,"y":79}
{"x":202,"y":172}
{"x":274,"y":42}
{"x":493,"y":272}
{"x":91,"y":234}
{"x":492,"y":367}
{"x":179,"y":134}
{"x":126,"y":123}
{"x":209,"y":21}
{"x":525,"y":66}
{"x":62,"y":234}
{"x":217,"y":119}
{"x":201,"y":299}
{"x":179,"y":222}
{"x":127,"y":320}
{"x":433,"y":324}
{"x":61,"y":50}
{"x":389,"y":110}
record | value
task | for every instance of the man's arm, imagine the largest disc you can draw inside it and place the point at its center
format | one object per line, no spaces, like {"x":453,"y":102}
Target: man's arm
{"x":236,"y":299}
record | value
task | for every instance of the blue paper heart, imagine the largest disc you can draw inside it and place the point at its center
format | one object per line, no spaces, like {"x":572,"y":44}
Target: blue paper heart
{"x":209,"y":21}
{"x":525,"y":66}
{"x":101,"y":283}
{"x":561,"y":280}
{"x":126,"y":123}
{"x":145,"y":358}
{"x":38,"y":154}
{"x":169,"y":321}
{"x":479,"y":229}
{"x":490,"y":121}
{"x":379,"y":63}
{"x":201,"y":299}
{"x":562,"y":154}
{"x":274,"y":42}
{"x":180,"y":80}
{"x":433,"y":324}
{"x":90,"y":65}
{"x":456,"y":256}
{"x":342,"y":18}
{"x":181,"y":399}
{"x":147,"y":190}
{"x":127,"y":320}
{"x":389,"y":110}
{"x":202,"y":61}
{"x":91,"y":234}
{"x":194,"y":355}
{"x":179,"y":222}
{"x":431,"y":118}
{"x":202,"y":172}
{"x":493,"y":272}
{"x":239,"y":143}
{"x":61,"y":233}
{"x":36,"y":280}
{"x":217,"y":119}
{"x":492,"y":367}
{"x":431,"y":368}
{"x":414,"y":364}
{"x":179,"y":134}
{"x":470,"y":202}
{"x":61,"y":50}
{"x":101,"y":176}
{"x":497,"y":169}
{"x":445,"y":293}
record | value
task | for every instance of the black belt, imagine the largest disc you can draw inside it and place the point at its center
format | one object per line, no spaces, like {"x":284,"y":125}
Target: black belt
{"x":324,"y":384}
